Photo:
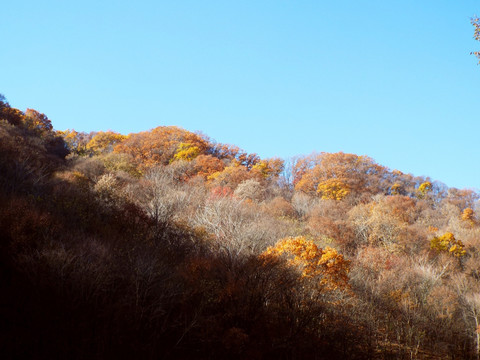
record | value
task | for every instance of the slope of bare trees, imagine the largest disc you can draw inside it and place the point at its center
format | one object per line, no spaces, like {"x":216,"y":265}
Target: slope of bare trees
{"x":165,"y":244}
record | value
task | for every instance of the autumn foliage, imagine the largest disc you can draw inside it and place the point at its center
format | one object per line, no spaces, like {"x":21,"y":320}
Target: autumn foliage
{"x":167,"y":244}
{"x":448,"y":243}
{"x":160,"y":145}
{"x":326,"y":266}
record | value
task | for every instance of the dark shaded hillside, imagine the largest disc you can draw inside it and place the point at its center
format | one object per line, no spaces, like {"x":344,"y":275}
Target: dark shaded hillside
{"x":167,"y":245}
{"x":83,"y":276}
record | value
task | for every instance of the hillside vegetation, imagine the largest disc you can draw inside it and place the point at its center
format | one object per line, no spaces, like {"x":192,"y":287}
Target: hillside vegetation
{"x":165,"y":244}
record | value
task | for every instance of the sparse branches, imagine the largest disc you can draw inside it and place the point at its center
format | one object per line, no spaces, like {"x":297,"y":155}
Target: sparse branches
{"x":476,"y":35}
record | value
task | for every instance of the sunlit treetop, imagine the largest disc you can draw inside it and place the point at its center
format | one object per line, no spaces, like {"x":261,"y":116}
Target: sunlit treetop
{"x":104,"y":141}
{"x":327,"y":265}
{"x":336,"y":175}
{"x":36,"y":121}
{"x":333,"y":189}
{"x":159,"y":145}
{"x":186,"y":151}
{"x":424,"y":189}
{"x":269,"y":168}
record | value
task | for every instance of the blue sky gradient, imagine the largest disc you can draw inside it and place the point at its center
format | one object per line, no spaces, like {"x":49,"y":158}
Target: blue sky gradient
{"x":393,"y":80}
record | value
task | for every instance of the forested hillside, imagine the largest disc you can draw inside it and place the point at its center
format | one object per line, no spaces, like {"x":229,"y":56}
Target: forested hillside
{"x":165,"y":244}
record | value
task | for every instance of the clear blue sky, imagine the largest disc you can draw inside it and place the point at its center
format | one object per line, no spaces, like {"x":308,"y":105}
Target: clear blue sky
{"x":389,"y":79}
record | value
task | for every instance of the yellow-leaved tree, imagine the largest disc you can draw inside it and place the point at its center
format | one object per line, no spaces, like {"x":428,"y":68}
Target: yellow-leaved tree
{"x":396,"y":189}
{"x":424,"y":189}
{"x":448,"y":243}
{"x":325,"y":265}
{"x":269,"y":168}
{"x":186,"y":151}
{"x":333,"y":189}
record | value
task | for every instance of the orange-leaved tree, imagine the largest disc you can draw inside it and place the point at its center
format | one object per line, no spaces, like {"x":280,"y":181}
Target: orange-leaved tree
{"x":37,"y":121}
{"x":206,"y":165}
{"x":159,"y":146}
{"x":359,"y":175}
{"x":468,"y":215}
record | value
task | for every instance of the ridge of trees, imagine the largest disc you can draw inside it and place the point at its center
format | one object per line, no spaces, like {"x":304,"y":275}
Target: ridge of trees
{"x":167,"y":244}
